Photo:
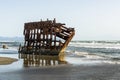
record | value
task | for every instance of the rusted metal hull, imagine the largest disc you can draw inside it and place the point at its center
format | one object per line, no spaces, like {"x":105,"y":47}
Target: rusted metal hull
{"x":46,"y":38}
{"x":40,"y":51}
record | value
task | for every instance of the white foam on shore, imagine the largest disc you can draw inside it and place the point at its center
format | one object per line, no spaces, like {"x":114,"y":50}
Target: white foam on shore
{"x":96,"y":45}
{"x":8,"y":51}
{"x":84,"y":58}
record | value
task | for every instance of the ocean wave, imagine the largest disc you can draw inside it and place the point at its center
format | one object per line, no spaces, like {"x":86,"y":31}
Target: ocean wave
{"x":102,"y":41}
{"x":88,"y":58}
{"x":8,"y":51}
{"x":96,"y":44}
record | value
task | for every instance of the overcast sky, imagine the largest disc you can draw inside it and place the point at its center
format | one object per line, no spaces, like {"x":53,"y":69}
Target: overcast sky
{"x":92,"y":19}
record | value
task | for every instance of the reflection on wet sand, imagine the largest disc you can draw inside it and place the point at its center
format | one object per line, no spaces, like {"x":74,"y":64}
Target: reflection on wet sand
{"x":41,"y":60}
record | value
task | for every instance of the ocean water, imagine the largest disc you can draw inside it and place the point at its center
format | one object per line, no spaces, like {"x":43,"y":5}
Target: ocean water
{"x":95,"y":51}
{"x":78,"y":52}
{"x":83,"y":60}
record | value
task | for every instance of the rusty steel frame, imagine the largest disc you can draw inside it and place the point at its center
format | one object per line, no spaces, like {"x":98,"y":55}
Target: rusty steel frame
{"x":46,"y":38}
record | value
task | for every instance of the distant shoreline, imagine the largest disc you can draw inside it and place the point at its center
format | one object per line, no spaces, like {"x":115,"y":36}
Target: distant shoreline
{"x":7,"y":60}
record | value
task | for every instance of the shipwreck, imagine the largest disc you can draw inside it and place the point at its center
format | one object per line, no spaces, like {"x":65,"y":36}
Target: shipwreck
{"x":46,"y":38}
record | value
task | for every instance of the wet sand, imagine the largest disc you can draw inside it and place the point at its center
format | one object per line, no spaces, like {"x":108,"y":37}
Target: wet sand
{"x":73,"y":70}
{"x":65,"y":72}
{"x":6,"y":60}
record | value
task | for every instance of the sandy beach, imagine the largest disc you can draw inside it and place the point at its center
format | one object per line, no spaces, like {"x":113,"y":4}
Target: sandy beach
{"x":75,"y":68}
{"x":64,"y":72}
{"x":6,"y":60}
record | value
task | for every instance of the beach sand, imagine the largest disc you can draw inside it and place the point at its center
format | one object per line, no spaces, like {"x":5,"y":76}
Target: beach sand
{"x":82,"y":70}
{"x":6,"y":60}
{"x":65,"y":72}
